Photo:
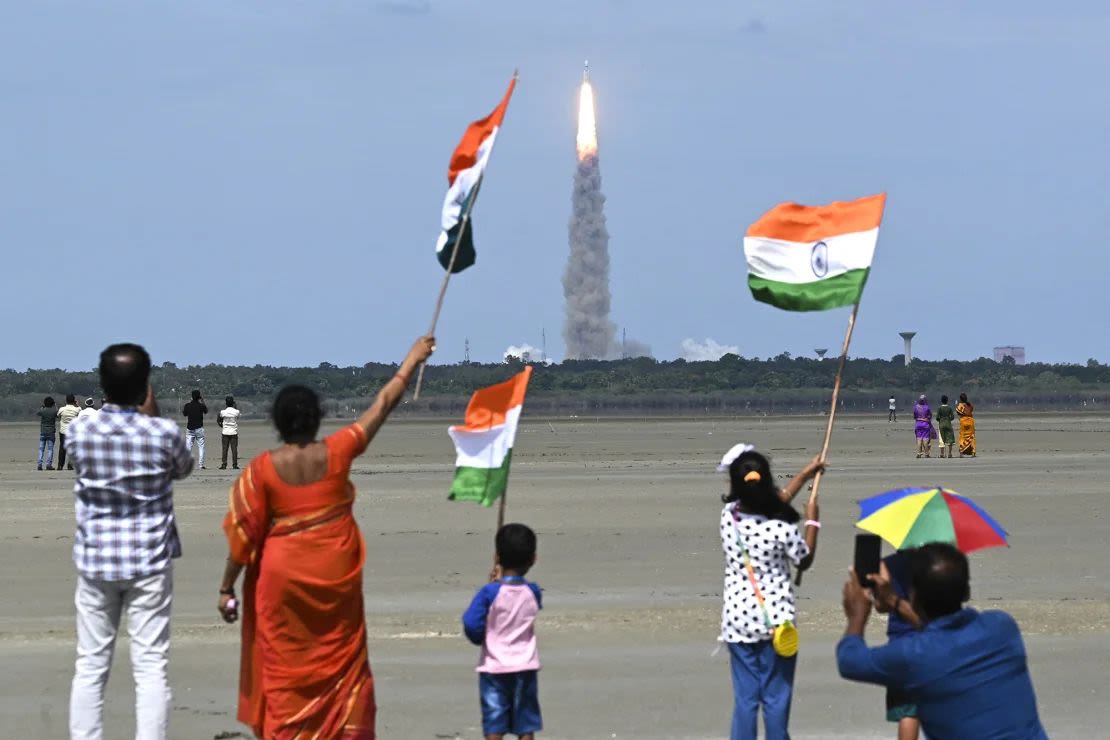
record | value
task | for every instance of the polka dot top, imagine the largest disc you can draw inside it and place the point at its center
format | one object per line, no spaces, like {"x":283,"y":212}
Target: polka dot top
{"x":772,"y":546}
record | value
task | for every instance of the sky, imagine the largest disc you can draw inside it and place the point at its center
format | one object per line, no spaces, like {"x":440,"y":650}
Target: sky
{"x":261,"y":182}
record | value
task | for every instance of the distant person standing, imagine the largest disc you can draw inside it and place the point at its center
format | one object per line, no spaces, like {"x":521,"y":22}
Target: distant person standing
{"x":923,"y":426}
{"x":228,"y":419}
{"x":89,"y":409}
{"x":966,"y":412}
{"x":48,"y":424}
{"x":194,"y":412}
{"x":127,"y":459}
{"x":892,"y":405}
{"x":945,"y":417}
{"x":66,"y":415}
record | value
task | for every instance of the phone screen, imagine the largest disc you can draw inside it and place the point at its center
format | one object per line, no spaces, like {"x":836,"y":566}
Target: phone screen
{"x":868,"y":552}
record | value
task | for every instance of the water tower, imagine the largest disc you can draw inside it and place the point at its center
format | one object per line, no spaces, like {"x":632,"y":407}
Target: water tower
{"x":908,"y":336}
{"x":821,"y":353}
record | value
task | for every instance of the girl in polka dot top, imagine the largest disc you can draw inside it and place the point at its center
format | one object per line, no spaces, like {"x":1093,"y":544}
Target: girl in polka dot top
{"x":758,"y":518}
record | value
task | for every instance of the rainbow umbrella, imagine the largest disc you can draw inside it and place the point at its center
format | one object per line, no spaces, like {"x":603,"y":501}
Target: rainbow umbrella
{"x":911,"y":517}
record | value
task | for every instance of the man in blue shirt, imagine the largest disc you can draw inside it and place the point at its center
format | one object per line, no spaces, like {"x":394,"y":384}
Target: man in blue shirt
{"x":966,"y":670}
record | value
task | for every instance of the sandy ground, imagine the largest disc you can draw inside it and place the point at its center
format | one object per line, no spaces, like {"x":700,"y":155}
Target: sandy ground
{"x":626,"y":513}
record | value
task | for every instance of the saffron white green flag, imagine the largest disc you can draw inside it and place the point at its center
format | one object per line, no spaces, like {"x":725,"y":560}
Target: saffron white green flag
{"x":811,"y":258}
{"x":484,"y":441}
{"x":464,"y":176}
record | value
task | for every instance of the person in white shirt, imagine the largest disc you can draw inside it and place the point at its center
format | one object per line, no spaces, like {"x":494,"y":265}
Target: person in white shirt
{"x":892,"y":405}
{"x":88,"y":409}
{"x":66,"y":415}
{"x":228,"y":419}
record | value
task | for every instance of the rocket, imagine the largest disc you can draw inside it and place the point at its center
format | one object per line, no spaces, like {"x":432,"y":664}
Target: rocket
{"x":586,"y":71}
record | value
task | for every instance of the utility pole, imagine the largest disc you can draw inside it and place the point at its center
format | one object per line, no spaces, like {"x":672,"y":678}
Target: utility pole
{"x":466,"y":351}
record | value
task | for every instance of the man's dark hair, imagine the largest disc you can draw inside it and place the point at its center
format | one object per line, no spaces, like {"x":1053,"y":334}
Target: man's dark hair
{"x":196,"y":395}
{"x":48,"y":401}
{"x":516,"y":547}
{"x":125,"y":374}
{"x":940,"y":578}
{"x":296,"y":414}
{"x":70,"y":398}
{"x":944,"y":399}
{"x":229,"y":401}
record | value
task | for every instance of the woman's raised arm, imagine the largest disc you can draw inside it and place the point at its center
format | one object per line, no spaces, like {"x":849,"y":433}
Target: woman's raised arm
{"x":394,"y":389}
{"x":790,"y":490}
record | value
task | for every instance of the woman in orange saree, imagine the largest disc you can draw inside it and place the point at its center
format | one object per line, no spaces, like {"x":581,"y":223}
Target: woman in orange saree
{"x":304,"y":670}
{"x":966,"y":412}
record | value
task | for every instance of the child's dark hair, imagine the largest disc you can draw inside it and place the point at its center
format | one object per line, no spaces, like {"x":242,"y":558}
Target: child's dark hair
{"x":296,"y":414}
{"x":516,"y":547}
{"x":751,"y":483}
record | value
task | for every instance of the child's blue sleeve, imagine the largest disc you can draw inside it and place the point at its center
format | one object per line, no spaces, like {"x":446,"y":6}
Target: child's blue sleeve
{"x":538,"y":593}
{"x":474,"y":618}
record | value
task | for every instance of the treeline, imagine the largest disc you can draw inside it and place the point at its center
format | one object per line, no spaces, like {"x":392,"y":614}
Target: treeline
{"x":731,"y":384}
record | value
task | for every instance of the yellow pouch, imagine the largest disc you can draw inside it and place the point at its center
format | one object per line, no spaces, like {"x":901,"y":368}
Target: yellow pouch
{"x":785,"y":640}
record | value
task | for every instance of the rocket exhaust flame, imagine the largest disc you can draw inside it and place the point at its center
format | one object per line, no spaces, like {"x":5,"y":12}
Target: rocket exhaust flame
{"x":587,"y":124}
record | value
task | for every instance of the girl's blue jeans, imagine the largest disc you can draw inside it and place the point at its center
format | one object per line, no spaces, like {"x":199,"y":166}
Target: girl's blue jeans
{"x":761,"y":677}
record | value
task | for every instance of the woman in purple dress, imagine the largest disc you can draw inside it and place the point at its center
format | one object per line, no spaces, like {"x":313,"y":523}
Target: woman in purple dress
{"x":923,"y":426}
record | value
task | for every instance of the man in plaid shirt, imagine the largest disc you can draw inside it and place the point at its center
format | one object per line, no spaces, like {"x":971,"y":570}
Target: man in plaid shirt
{"x":126,"y":459}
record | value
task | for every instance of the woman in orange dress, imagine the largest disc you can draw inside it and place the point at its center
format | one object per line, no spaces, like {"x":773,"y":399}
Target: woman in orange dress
{"x":966,"y":411}
{"x":304,"y":670}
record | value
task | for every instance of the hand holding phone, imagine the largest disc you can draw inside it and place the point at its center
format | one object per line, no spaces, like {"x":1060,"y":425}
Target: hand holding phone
{"x":867,"y":557}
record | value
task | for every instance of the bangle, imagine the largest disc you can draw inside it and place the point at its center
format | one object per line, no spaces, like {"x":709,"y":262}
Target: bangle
{"x":813,"y":523}
{"x":227,"y":591}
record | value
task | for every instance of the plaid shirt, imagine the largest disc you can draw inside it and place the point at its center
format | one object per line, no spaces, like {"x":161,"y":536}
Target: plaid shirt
{"x":126,"y":463}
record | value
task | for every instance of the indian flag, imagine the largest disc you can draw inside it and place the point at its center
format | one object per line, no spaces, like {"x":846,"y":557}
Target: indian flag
{"x":464,"y":175}
{"x":484,"y":441}
{"x":810,"y":258}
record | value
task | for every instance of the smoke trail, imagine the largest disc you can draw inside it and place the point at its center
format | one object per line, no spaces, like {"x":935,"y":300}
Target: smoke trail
{"x":588,"y":332}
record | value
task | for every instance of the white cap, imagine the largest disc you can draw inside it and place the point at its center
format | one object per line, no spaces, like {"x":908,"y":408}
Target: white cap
{"x":732,"y":454}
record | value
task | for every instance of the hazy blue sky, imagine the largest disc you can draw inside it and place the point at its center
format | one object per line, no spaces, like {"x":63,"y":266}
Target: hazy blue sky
{"x":260,"y":182}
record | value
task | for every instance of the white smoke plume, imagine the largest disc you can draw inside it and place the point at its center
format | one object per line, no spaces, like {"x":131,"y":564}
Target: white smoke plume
{"x":708,"y":351}
{"x":524,"y":352}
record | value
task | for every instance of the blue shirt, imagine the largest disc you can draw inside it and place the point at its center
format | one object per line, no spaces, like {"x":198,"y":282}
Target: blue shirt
{"x":966,"y":672}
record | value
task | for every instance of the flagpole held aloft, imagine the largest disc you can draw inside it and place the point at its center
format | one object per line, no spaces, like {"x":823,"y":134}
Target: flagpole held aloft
{"x":464,"y":222}
{"x":832,"y":411}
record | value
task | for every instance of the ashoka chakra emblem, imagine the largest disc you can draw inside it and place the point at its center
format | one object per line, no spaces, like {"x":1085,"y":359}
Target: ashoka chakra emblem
{"x":819,"y":259}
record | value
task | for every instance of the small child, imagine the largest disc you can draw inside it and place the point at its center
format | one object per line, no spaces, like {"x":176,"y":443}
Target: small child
{"x":500,"y":619}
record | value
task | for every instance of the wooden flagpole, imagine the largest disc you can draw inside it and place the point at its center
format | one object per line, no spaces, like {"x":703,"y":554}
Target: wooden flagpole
{"x":832,"y":411}
{"x":463,"y":223}
{"x":500,"y":524}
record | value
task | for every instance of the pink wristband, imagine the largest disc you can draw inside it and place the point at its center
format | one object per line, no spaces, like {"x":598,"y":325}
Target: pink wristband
{"x":813,"y":523}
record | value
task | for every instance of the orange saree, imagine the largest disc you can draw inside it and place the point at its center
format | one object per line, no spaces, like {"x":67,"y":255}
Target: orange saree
{"x":304,"y":671}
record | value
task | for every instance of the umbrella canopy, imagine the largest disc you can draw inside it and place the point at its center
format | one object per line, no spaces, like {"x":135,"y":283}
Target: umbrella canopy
{"x":911,"y":517}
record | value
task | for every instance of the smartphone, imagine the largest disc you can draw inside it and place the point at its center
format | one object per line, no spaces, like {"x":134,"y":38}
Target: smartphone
{"x":868,"y":551}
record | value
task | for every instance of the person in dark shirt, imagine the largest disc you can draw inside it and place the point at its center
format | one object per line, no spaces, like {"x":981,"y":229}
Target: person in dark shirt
{"x":48,"y":425}
{"x":194,"y":412}
{"x":965,"y":670}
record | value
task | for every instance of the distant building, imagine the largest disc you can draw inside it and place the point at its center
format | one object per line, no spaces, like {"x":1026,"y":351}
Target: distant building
{"x":1018,"y":353}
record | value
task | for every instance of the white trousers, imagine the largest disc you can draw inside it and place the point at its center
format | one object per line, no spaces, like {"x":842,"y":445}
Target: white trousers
{"x":146,"y":601}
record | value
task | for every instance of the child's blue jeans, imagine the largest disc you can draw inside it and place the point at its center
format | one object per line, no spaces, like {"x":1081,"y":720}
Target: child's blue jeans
{"x":760,"y":676}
